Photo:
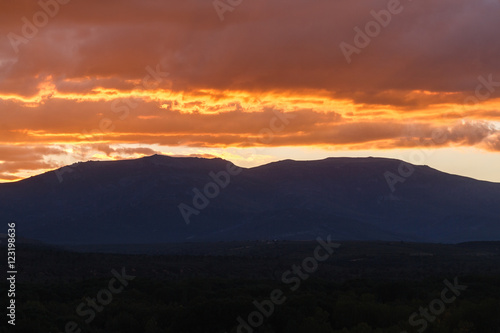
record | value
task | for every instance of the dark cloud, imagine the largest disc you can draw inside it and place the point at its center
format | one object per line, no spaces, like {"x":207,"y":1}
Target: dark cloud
{"x":287,"y":46}
{"x":101,"y":74}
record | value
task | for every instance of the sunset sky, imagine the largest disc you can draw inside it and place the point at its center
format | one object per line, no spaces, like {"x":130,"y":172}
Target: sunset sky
{"x":252,"y":82}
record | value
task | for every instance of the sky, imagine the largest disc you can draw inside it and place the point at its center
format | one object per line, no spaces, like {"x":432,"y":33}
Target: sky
{"x":250,"y":81}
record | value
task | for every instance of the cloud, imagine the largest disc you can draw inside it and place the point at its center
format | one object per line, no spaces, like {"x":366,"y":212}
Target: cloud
{"x":119,"y":153}
{"x":439,"y":47}
{"x":101,"y":75}
{"x":16,"y":159}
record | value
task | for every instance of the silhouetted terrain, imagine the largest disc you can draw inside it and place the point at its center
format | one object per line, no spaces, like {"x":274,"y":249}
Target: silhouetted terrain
{"x":364,"y":287}
{"x":260,"y":260}
{"x":137,"y":201}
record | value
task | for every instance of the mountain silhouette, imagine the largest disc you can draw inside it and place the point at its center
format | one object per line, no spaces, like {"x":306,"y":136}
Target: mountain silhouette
{"x":150,"y":200}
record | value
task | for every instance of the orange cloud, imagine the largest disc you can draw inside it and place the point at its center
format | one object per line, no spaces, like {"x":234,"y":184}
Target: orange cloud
{"x":100,"y":75}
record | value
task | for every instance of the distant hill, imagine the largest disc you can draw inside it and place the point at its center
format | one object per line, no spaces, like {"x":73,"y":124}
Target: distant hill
{"x":137,"y":201}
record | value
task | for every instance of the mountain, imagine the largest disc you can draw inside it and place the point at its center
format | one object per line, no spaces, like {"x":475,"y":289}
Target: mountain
{"x":138,"y":201}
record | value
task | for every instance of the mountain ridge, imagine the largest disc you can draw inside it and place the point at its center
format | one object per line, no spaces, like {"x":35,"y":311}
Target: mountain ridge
{"x":137,"y":201}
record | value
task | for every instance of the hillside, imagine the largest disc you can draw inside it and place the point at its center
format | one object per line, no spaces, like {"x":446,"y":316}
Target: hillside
{"x":137,"y":201}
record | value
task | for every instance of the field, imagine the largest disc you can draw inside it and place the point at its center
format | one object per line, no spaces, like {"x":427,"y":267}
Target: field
{"x":228,"y":287}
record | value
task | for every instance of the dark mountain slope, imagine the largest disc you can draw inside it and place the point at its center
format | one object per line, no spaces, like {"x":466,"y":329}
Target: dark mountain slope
{"x":136,"y":201}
